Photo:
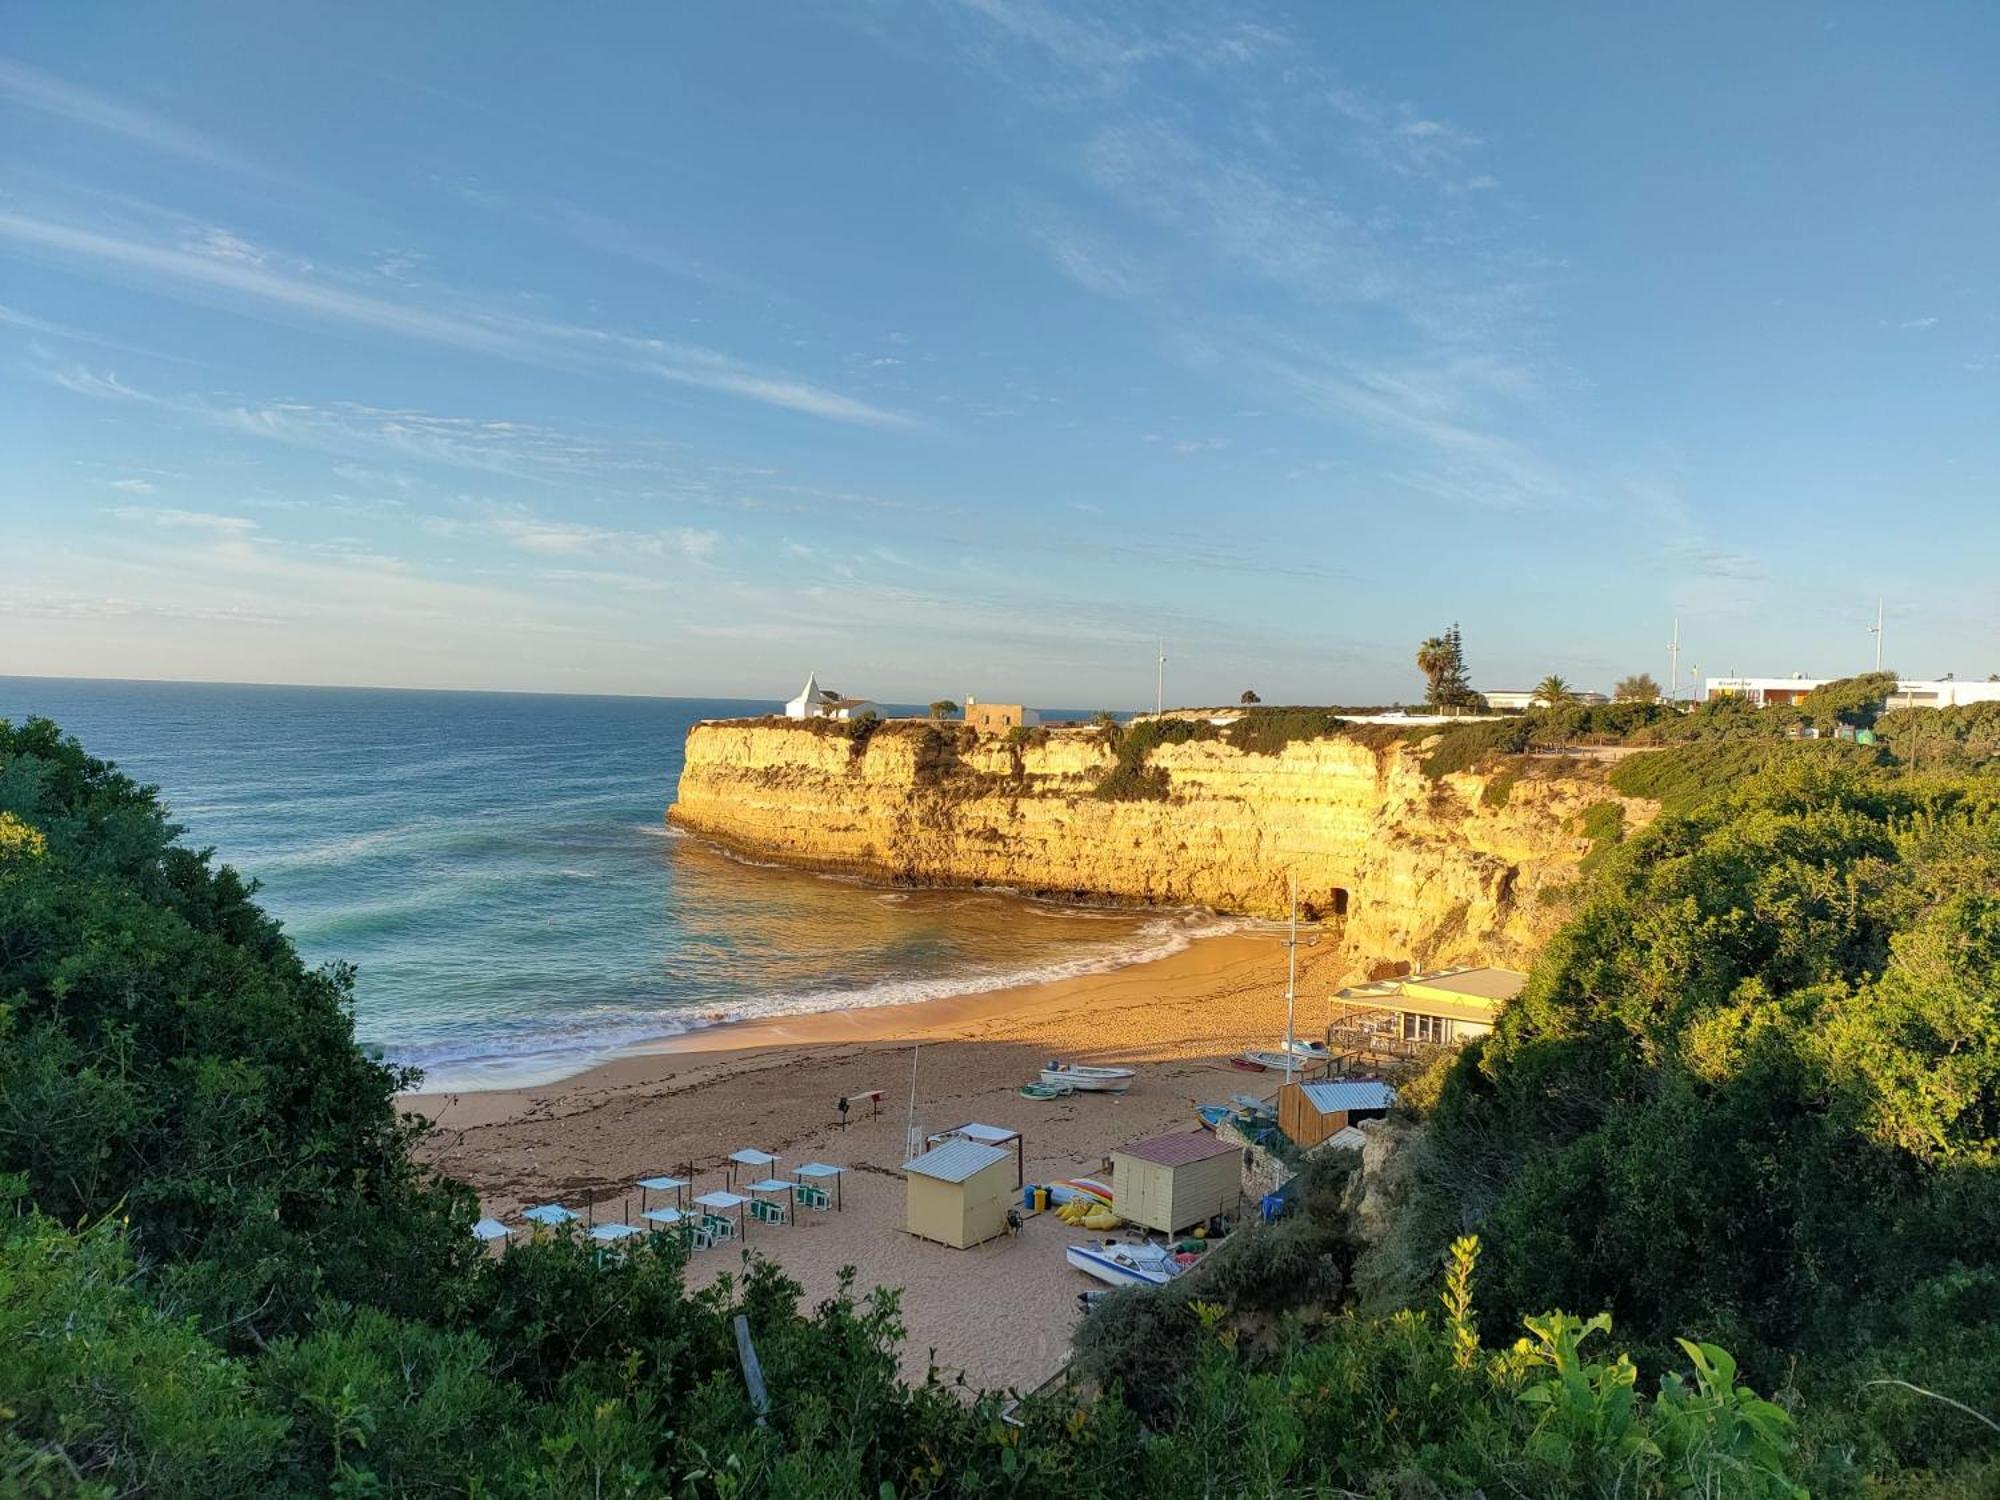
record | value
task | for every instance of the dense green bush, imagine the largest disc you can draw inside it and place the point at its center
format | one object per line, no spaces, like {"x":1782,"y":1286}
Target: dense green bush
{"x":164,"y":1053}
{"x":1752,"y":1092}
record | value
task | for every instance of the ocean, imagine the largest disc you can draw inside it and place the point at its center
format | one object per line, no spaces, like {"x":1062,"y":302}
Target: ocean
{"x":498,"y":868}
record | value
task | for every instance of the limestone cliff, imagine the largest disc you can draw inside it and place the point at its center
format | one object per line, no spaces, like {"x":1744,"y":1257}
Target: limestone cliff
{"x":1416,"y":870}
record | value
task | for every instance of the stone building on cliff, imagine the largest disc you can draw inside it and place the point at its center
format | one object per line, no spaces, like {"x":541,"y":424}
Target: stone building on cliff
{"x":998,"y":718}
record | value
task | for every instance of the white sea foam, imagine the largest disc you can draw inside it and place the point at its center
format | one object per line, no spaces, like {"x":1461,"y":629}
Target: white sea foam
{"x":539,"y":1053}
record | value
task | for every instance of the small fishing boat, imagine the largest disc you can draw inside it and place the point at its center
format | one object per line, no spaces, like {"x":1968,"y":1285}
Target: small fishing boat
{"x":1088,"y":1080}
{"x":1126,"y":1262}
{"x":1246,"y":1063}
{"x":1212,"y":1115}
{"x":1045,"y":1090}
{"x":1277,"y":1062}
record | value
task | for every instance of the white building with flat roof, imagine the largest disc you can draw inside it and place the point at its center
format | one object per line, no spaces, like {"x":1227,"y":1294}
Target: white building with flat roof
{"x":1764,"y":692}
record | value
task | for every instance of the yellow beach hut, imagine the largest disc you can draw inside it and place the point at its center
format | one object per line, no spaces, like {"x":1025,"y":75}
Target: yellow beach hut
{"x":1173,"y":1181}
{"x":959,"y":1192}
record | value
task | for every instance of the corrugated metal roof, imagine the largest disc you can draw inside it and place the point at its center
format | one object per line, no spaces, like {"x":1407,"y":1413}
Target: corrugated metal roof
{"x":991,"y":1135}
{"x":1330,"y":1098}
{"x":1476,"y":984}
{"x":1179,"y":1149}
{"x":956,"y":1161}
{"x":1347,"y":1138}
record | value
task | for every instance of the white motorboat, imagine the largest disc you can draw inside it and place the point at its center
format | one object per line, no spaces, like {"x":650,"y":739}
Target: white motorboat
{"x":1087,"y":1079}
{"x":1277,"y":1062}
{"x":1126,"y":1262}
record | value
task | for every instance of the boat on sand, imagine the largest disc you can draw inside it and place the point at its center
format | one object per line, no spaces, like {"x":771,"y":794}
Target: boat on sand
{"x":1276,"y":1062}
{"x":1126,"y":1262}
{"x":1088,"y":1080}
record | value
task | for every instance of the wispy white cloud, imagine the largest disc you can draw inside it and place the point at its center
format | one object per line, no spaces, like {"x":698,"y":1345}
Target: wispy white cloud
{"x":519,"y":450}
{"x":247,"y":280}
{"x":1404,"y":141}
{"x":134,"y":486}
{"x":67,"y":333}
{"x":34,"y":89}
{"x":219,"y":267}
{"x":547,"y":536}
{"x":185,"y":520}
{"x":1095,"y":49}
{"x":1091,"y":260}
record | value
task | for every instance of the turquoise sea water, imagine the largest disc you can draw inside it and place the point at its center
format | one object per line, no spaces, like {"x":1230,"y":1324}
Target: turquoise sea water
{"x":498,"y":868}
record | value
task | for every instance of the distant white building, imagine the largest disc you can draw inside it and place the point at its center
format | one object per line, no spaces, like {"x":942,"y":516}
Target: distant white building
{"x":1944,"y":692}
{"x":1524,"y":698}
{"x":816,"y":702}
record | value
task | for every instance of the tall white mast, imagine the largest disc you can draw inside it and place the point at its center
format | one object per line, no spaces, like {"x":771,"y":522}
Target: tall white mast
{"x":1674,"y":663}
{"x":1160,"y":680}
{"x":1876,"y":631}
{"x":1291,"y":974}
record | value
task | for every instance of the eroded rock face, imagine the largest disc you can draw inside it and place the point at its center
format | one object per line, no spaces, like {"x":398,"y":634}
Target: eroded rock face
{"x":1418,"y":871}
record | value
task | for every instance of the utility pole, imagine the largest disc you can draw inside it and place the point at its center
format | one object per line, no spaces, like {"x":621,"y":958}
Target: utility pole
{"x":1160,"y":680}
{"x":1876,"y":631}
{"x":1674,"y":663}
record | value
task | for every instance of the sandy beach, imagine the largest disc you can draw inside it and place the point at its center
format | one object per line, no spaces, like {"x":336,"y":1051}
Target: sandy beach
{"x":1001,"y":1313}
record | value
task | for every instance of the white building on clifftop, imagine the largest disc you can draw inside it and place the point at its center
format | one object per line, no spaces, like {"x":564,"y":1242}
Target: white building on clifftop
{"x":816,"y":702}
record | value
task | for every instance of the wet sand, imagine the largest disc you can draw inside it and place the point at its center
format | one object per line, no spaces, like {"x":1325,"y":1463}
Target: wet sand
{"x":1001,"y":1313}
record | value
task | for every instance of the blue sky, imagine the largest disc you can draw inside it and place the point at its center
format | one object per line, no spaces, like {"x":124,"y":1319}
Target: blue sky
{"x":955,"y":348}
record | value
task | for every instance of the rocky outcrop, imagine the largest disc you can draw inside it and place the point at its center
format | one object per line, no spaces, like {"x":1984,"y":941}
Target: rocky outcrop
{"x":1414,"y":870}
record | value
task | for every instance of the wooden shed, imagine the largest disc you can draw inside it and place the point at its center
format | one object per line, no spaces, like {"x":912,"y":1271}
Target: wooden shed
{"x":959,"y":1193}
{"x":1173,"y":1181}
{"x":1309,"y":1113}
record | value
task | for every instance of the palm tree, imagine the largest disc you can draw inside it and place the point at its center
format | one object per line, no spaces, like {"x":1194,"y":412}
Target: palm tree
{"x":1433,"y":659}
{"x":1553,"y":692}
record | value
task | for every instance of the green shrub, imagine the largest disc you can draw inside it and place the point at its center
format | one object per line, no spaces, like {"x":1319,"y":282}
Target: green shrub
{"x":1500,"y":788}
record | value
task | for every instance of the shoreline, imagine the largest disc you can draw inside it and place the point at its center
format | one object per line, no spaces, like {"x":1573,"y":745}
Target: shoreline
{"x":863,"y":1022}
{"x":688,"y":1101}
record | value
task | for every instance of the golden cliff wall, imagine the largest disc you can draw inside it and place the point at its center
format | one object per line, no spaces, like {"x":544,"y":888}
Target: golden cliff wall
{"x":1427,"y":872}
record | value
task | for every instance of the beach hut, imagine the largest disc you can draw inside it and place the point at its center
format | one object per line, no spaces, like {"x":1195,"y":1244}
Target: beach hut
{"x":1170,"y":1182}
{"x":1309,"y":1113}
{"x":990,"y":1135}
{"x":959,"y":1192}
